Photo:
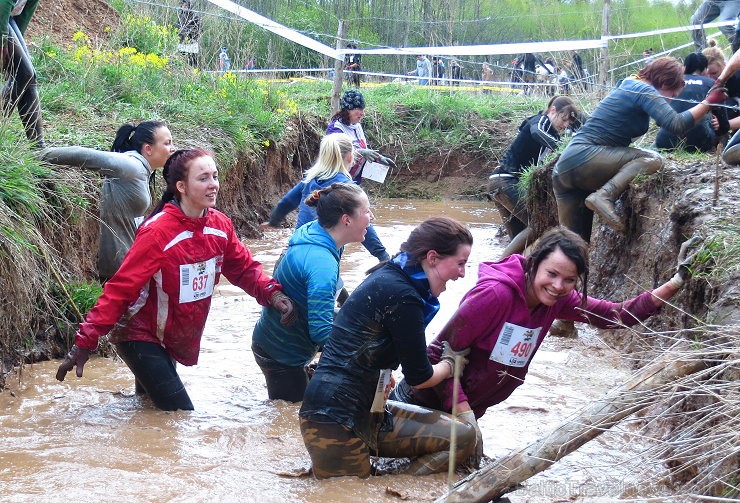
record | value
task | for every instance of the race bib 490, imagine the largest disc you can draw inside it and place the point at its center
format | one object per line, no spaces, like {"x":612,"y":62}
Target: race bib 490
{"x":197,"y":280}
{"x":515,"y":345}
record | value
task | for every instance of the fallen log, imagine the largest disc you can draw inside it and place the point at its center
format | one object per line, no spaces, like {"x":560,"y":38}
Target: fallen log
{"x":505,"y":474}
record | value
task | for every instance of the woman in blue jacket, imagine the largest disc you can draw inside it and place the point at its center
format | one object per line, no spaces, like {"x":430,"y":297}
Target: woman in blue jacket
{"x":331,"y":167}
{"x":309,"y":273}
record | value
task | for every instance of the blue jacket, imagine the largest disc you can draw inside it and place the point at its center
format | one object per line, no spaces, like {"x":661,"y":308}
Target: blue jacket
{"x":701,"y":137}
{"x":308,"y":272}
{"x":295,"y":199}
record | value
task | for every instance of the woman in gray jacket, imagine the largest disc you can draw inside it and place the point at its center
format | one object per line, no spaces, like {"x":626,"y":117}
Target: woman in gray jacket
{"x":136,"y":153}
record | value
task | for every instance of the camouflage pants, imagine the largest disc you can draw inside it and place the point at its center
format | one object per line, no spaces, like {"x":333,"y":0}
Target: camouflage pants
{"x":418,"y":432}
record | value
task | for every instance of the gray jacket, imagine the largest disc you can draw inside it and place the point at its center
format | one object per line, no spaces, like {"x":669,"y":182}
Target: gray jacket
{"x":125,"y":197}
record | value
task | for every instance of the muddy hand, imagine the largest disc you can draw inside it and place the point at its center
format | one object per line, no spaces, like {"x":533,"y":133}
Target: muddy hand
{"x":387,"y":161}
{"x":449,"y":354}
{"x":687,"y":255}
{"x":368,"y":154}
{"x":76,"y":357}
{"x":284,"y":305}
{"x":474,"y":460}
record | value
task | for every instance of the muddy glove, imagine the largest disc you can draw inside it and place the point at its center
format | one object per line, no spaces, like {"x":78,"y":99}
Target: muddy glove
{"x":449,"y":355}
{"x":474,"y":459}
{"x":386,"y":161}
{"x":77,"y":356}
{"x":686,"y":257}
{"x":6,"y":51}
{"x":284,"y":305}
{"x":368,"y":154}
{"x":717,"y":95}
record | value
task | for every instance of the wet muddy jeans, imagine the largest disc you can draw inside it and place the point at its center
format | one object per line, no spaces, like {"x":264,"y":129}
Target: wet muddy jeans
{"x":504,"y":190}
{"x":155,"y":372}
{"x":21,"y":88}
{"x":283,"y":382}
{"x":415,"y":432}
{"x":582,"y":170}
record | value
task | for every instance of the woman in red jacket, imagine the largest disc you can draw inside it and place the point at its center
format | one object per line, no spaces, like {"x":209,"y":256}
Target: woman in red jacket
{"x":155,"y":307}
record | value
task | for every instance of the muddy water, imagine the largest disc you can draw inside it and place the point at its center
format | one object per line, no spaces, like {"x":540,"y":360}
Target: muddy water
{"x":92,"y":439}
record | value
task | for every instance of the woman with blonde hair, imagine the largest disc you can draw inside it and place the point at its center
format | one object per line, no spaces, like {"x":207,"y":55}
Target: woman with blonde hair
{"x":336,"y":156}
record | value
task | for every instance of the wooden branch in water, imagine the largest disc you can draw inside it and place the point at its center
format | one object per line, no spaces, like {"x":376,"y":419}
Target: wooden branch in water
{"x":506,"y":473}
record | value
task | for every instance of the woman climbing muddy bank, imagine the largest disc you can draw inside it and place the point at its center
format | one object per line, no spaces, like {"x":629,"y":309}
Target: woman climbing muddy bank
{"x":309,"y":273}
{"x":538,"y":136}
{"x":382,"y":325}
{"x":504,"y":318}
{"x":155,"y":306}
{"x":137,"y":152}
{"x":598,"y":164}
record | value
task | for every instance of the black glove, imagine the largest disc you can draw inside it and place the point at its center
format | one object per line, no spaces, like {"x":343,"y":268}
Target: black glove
{"x":284,"y":305}
{"x":368,"y":154}
{"x":686,"y":257}
{"x":77,"y":356}
{"x":474,"y":460}
{"x":386,"y":161}
{"x":449,"y":355}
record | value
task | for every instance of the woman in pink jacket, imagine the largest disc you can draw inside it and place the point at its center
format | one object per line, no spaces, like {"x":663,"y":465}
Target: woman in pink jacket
{"x":521,"y":298}
{"x":155,"y":306}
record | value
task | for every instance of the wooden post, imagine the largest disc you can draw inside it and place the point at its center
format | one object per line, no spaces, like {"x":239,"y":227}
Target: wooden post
{"x":506,"y":473}
{"x":604,"y":59}
{"x":338,"y":68}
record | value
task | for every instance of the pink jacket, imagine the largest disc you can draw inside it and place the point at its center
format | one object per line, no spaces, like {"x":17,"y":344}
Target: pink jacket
{"x":499,"y":297}
{"x":162,"y":291}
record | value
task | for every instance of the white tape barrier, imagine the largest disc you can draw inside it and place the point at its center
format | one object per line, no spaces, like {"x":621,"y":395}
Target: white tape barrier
{"x":277,"y":28}
{"x":462,"y":50}
{"x":444,"y":81}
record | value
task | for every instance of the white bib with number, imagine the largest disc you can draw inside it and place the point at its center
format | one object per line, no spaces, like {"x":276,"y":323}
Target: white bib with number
{"x":197,"y":280}
{"x":515,"y":345}
{"x":382,"y":390}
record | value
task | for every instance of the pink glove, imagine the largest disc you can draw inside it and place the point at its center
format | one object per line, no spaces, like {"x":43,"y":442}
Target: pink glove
{"x":716,"y":95}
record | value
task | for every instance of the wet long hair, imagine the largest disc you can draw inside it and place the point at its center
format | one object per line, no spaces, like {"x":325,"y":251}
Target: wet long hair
{"x":441,"y":234}
{"x":133,"y":137}
{"x":564,"y":105}
{"x":663,"y":73}
{"x":695,"y":63}
{"x":176,"y":169}
{"x":334,"y":201}
{"x":573,"y":247}
{"x":334,"y":148}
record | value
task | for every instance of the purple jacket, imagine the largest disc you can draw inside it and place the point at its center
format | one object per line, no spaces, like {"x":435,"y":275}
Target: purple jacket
{"x":499,"y":297}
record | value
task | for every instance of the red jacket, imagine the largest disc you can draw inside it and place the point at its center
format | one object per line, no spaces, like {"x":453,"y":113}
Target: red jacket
{"x":162,"y":291}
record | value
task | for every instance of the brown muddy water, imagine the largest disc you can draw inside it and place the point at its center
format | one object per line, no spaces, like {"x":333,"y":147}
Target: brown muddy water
{"x":92,"y":439}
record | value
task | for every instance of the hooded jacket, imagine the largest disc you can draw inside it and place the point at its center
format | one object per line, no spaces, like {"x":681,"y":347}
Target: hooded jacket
{"x":487,"y":313}
{"x":162,"y":291}
{"x":308,"y":272}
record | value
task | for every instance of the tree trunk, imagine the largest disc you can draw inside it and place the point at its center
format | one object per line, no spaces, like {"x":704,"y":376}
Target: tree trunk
{"x":639,"y":392}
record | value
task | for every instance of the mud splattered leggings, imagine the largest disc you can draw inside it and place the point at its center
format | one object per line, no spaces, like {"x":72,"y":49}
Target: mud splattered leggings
{"x":511,"y":205}
{"x":21,"y":89}
{"x":417,"y":432}
{"x":584,"y":169}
